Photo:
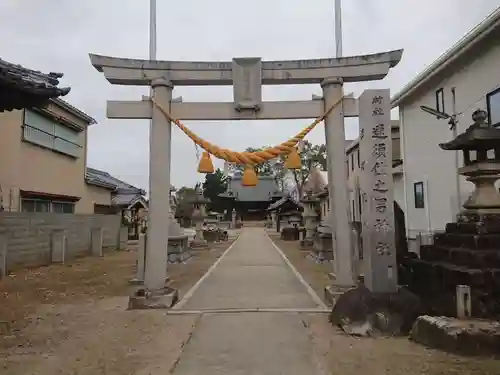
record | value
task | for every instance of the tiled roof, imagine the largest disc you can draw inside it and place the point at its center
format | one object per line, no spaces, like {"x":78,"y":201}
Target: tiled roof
{"x":265,"y":190}
{"x":124,"y":194}
{"x":25,"y":88}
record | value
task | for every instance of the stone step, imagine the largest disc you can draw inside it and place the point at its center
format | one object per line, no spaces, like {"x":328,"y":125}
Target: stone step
{"x":446,"y":276}
{"x":473,"y":228}
{"x":468,"y":240}
{"x":465,"y":337}
{"x":473,"y":258}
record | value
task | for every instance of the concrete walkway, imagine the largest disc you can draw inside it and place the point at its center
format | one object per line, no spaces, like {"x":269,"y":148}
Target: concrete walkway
{"x":231,"y":337}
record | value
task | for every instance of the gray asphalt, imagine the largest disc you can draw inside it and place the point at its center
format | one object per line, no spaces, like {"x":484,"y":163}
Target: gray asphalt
{"x":251,"y":275}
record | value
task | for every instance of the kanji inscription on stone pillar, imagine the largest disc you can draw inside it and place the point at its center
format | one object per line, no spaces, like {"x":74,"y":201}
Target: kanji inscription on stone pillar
{"x":247,"y":83}
{"x":377,"y":191}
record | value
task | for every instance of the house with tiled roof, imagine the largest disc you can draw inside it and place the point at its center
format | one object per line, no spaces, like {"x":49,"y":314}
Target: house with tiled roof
{"x":25,"y":88}
{"x":109,"y":194}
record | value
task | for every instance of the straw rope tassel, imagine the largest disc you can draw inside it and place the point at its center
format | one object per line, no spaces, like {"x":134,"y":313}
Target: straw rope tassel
{"x":246,"y":158}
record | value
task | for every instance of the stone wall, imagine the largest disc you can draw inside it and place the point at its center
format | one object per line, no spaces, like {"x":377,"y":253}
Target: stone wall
{"x":28,"y":235}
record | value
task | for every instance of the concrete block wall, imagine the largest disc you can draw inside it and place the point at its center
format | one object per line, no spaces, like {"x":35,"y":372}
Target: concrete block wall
{"x":28,"y":235}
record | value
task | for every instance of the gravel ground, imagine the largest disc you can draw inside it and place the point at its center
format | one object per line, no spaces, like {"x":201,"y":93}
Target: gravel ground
{"x":71,"y":319}
{"x":345,"y":355}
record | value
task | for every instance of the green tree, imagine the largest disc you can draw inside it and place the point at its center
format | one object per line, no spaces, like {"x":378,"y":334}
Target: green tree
{"x":312,"y":156}
{"x":215,"y":184}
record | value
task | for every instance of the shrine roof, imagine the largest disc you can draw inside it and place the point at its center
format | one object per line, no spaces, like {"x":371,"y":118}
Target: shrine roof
{"x":265,"y":191}
{"x":25,"y":88}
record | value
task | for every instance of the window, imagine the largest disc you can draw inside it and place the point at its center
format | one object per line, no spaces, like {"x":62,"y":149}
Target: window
{"x":46,"y":132}
{"x":493,"y":107}
{"x":359,"y":163}
{"x":347,"y":162}
{"x":63,"y":207}
{"x":418,"y":192}
{"x":45,"y":205}
{"x":353,"y":211}
{"x":440,"y":100}
{"x":352,"y":162}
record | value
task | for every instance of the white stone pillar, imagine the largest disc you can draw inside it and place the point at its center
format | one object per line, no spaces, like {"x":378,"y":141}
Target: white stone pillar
{"x":337,"y":182}
{"x":377,"y":188}
{"x":159,"y":189}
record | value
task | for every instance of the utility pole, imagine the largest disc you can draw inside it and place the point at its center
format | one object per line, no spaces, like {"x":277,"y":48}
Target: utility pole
{"x":454,"y":126}
{"x":338,"y":28}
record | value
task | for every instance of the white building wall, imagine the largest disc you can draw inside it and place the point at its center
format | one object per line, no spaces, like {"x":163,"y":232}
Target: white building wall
{"x":399,"y":195}
{"x":421,"y":133}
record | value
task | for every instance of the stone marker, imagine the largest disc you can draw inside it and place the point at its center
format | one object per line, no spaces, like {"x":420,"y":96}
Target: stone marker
{"x":58,"y":244}
{"x":122,"y":238}
{"x":3,"y":256}
{"x":96,"y":242}
{"x":377,"y":191}
{"x":141,"y":260}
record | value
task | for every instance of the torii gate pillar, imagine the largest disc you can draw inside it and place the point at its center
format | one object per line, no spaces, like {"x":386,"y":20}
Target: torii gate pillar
{"x":337,"y":182}
{"x":160,"y":136}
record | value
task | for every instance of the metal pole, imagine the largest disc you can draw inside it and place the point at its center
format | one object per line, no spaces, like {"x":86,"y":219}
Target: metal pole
{"x":338,"y":28}
{"x":152,"y":29}
{"x":457,"y":155}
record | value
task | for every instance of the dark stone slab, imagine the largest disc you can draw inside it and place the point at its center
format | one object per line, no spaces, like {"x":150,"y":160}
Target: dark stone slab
{"x":290,"y":234}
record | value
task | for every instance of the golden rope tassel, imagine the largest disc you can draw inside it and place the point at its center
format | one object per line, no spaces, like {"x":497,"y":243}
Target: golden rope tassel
{"x":293,"y":160}
{"x":249,"y":176}
{"x":206,"y":165}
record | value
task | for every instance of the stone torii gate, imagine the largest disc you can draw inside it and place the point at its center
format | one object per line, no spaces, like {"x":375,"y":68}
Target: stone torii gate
{"x":246,"y":75}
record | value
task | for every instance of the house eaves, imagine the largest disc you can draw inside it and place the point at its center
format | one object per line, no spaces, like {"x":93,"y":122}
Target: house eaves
{"x":74,"y":111}
{"x":472,"y":38}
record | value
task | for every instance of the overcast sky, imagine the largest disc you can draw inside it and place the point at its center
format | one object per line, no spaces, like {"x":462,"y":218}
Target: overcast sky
{"x":57,"y":35}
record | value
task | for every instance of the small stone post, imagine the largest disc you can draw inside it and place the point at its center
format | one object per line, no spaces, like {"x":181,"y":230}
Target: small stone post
{"x":3,"y":256}
{"x":58,"y":243}
{"x":96,"y":242}
{"x":141,"y":261}
{"x":376,"y":185}
{"x":464,"y":305}
{"x":122,"y":238}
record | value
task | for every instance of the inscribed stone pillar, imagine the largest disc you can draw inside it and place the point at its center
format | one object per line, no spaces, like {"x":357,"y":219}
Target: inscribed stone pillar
{"x":337,"y":182}
{"x":159,"y":189}
{"x":377,"y":189}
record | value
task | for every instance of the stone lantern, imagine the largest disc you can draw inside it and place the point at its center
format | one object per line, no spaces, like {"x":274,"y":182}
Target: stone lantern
{"x":199,"y":215}
{"x":309,"y":204}
{"x":481,"y":169}
{"x":455,"y":275}
{"x":233,"y":218}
